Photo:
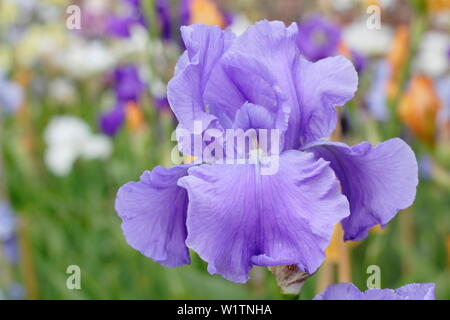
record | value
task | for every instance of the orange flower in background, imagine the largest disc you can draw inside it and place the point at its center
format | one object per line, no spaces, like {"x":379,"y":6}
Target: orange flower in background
{"x":418,"y":108}
{"x":134,"y":116}
{"x":396,"y":57}
{"x":438,"y":5}
{"x":344,"y":50}
{"x":368,"y":3}
{"x":206,"y":12}
{"x":372,"y":3}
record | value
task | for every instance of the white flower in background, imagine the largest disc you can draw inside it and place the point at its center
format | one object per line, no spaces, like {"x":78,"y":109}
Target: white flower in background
{"x":82,"y":59}
{"x":48,"y":11}
{"x":239,"y":24}
{"x":97,"y":147}
{"x":368,"y":41}
{"x":97,"y":7}
{"x":137,"y":44}
{"x":344,"y":5}
{"x":62,"y":90}
{"x":432,"y":58}
{"x":157,"y":87}
{"x":69,"y":138}
{"x":39,"y":42}
{"x":442,"y":19}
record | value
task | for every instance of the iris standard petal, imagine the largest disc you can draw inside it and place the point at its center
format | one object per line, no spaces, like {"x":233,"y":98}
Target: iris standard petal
{"x":153,"y":213}
{"x":321,"y":86}
{"x":205,"y":45}
{"x":265,"y":64}
{"x":378,"y":181}
{"x":253,"y":116}
{"x":239,"y":79}
{"x":267,"y":52}
{"x":238,"y":217}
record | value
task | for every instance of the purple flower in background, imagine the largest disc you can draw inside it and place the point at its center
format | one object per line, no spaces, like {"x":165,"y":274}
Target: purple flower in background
{"x":161,"y":103}
{"x":318,"y":38}
{"x":347,"y":291}
{"x":8,"y":228}
{"x":443,"y":91}
{"x":7,"y":222}
{"x":128,"y":87}
{"x":120,"y":25}
{"x":425,"y":167}
{"x":185,"y":14}
{"x":11,"y":95}
{"x":111,"y":121}
{"x":376,"y":99}
{"x":163,"y":11}
{"x":128,"y":84}
{"x":11,"y":250}
{"x":234,"y":216}
{"x":16,"y":291}
{"x":359,"y":60}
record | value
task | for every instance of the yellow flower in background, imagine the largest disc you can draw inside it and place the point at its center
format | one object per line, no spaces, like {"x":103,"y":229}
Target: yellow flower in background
{"x":438,"y":5}
{"x":8,"y":12}
{"x":40,"y":41}
{"x":189,"y":159}
{"x":337,"y":241}
{"x":5,"y":58}
{"x":58,"y":2}
{"x":372,"y":3}
{"x":396,"y":57}
{"x":332,"y":251}
{"x":418,"y":108}
{"x":206,"y":12}
{"x":377,"y":229}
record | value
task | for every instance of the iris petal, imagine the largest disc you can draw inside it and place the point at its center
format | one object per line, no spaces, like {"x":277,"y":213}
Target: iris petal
{"x":205,"y":45}
{"x":153,"y":213}
{"x":238,"y":217}
{"x":378,"y":181}
{"x":347,"y":291}
{"x":321,"y":86}
{"x":264,"y":66}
